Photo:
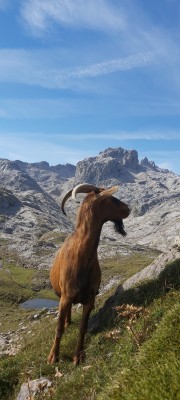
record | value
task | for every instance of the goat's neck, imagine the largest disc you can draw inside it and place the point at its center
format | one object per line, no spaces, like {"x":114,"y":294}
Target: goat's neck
{"x":89,"y":230}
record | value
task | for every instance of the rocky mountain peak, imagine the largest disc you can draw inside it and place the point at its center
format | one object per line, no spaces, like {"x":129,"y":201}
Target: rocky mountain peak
{"x":64,"y":171}
{"x":110,"y":164}
{"x":151,"y":165}
{"x":11,"y":176}
{"x":127,"y":158}
{"x":44,"y":165}
{"x":148,"y":163}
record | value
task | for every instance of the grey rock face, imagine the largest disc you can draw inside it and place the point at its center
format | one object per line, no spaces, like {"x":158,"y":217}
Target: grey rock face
{"x":30,"y":389}
{"x":116,"y":164}
{"x":8,"y":202}
{"x":26,"y":211}
{"x":127,"y":158}
{"x":151,"y":164}
{"x":49,"y":178}
{"x":64,"y":171}
{"x":11,"y":176}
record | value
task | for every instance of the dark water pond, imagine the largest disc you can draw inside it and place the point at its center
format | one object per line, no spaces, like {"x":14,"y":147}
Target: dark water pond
{"x":39,"y":303}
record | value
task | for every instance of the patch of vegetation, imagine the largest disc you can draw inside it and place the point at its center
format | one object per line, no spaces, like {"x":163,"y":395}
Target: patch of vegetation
{"x":6,"y":255}
{"x":47,"y":294}
{"x":154,"y":372}
{"x":53,"y":237}
{"x":18,"y":284}
{"x":125,"y":266}
{"x":141,"y":295}
{"x":2,"y":218}
{"x":49,"y":242}
{"x":42,"y":252}
{"x":116,"y":365}
{"x":15,"y":284}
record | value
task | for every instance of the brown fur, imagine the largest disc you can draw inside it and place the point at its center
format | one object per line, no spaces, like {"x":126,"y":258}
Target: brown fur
{"x":75,"y":274}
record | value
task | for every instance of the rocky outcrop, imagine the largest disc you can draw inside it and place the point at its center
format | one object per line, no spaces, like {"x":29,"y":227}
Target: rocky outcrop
{"x":151,"y":165}
{"x":8,"y":202}
{"x":153,"y":270}
{"x":163,"y":272}
{"x":13,"y":341}
{"x":33,"y":388}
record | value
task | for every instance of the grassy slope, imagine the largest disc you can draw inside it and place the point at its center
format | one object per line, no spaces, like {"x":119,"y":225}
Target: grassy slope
{"x":119,"y":369}
{"x":153,"y":372}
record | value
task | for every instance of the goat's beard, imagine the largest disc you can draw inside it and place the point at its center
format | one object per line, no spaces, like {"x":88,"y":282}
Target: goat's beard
{"x":119,"y":227}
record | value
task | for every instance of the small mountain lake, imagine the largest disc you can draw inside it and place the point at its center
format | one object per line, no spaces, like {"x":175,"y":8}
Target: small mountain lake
{"x":38,"y":303}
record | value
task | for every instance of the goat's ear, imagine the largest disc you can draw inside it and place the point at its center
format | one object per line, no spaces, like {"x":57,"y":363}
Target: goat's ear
{"x":108,"y":192}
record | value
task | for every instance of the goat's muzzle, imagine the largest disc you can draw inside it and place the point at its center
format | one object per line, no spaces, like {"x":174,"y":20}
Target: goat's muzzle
{"x":125,"y":212}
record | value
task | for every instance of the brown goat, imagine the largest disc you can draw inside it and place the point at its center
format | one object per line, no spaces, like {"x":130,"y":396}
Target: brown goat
{"x":75,"y":274}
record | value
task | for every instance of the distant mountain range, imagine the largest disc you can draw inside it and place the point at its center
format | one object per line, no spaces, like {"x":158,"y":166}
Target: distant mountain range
{"x":30,"y":196}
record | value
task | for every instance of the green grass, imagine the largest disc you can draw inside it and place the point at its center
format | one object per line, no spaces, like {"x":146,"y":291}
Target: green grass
{"x":118,"y":368}
{"x":53,"y":237}
{"x":18,"y":284}
{"x":154,"y":372}
{"x":124,"y":266}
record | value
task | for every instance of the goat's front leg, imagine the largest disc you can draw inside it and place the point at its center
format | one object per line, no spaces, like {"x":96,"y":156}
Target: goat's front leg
{"x":64,"y":312}
{"x":79,"y":353}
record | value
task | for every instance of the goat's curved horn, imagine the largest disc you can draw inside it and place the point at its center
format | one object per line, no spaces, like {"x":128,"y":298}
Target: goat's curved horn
{"x":85,"y":188}
{"x":81,"y":188}
{"x":65,"y":198}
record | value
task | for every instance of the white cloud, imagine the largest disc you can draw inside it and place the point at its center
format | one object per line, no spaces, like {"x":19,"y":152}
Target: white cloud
{"x":33,"y":68}
{"x":94,"y":14}
{"x":119,"y":64}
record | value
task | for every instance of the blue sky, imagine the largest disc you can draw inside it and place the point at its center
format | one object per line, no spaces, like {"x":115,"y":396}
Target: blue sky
{"x":78,"y":76}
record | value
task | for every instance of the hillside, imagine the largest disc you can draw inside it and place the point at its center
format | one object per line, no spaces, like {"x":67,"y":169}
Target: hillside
{"x":30,"y":196}
{"x":133,"y":354}
{"x":132,"y":339}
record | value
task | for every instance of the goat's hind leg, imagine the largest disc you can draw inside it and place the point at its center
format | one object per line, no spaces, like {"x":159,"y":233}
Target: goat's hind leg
{"x":80,"y":353}
{"x":64,"y":314}
{"x":68,"y":317}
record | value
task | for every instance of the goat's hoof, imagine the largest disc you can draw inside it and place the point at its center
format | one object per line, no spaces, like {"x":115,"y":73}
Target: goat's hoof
{"x":76,"y":360}
{"x":79,"y":358}
{"x":52,"y":358}
{"x":67,"y":324}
